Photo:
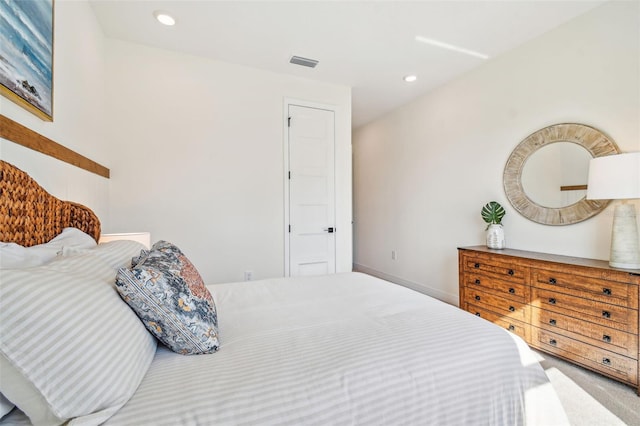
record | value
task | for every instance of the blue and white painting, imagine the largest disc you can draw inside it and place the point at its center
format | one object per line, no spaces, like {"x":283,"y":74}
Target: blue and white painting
{"x":26,"y":53}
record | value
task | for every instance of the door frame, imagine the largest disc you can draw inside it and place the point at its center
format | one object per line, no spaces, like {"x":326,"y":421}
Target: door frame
{"x":285,"y":173}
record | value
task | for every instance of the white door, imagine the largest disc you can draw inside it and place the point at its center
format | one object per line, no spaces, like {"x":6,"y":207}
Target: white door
{"x":311,"y":188}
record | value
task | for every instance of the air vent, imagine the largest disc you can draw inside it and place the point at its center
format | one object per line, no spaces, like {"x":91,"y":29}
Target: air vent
{"x":305,"y":62}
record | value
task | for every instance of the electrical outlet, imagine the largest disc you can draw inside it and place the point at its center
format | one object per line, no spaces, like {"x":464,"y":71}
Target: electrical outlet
{"x":248,"y":275}
{"x":393,"y":255}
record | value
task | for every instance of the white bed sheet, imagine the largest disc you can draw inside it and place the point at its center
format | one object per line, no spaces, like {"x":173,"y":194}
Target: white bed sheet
{"x":347,"y":349}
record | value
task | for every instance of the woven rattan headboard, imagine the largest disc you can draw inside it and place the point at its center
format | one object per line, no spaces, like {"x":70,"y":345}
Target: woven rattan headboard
{"x":29,"y":215}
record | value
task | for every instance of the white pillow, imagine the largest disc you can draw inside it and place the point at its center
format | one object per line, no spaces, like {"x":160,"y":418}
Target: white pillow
{"x":13,"y":255}
{"x":70,"y":348}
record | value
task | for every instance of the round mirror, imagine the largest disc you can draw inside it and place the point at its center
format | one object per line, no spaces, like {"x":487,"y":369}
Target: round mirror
{"x":556,"y":174}
{"x":545,"y":178}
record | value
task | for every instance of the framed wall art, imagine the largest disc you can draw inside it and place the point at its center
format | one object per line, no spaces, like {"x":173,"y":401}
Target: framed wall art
{"x":26,"y":54}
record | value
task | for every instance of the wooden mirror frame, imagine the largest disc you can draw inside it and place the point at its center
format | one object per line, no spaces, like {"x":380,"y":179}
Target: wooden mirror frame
{"x":587,"y":137}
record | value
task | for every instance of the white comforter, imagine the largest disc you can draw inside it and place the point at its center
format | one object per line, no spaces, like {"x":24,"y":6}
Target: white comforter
{"x":347,"y":349}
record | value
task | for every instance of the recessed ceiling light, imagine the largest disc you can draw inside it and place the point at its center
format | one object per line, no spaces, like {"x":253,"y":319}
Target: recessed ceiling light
{"x":451,"y":47}
{"x":164,"y":18}
{"x":409,"y":78}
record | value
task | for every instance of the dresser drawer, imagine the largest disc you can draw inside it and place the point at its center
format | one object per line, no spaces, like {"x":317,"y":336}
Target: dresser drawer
{"x":499,"y":305}
{"x":516,"y":327}
{"x":496,"y":269}
{"x":589,"y":287}
{"x":509,"y":290}
{"x":613,"y":316}
{"x":593,"y":334}
{"x":606,"y":362}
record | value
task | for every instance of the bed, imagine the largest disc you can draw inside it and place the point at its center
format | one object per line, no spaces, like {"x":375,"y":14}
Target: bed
{"x":343,"y":349}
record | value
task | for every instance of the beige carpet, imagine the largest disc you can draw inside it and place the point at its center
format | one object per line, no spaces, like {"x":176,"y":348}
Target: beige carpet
{"x":591,"y":399}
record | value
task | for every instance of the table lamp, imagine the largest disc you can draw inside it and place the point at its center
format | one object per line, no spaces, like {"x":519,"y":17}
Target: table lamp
{"x":141,"y":237}
{"x":617,"y":177}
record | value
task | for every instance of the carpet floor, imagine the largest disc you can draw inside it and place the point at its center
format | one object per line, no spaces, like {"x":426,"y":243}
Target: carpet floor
{"x":591,"y":399}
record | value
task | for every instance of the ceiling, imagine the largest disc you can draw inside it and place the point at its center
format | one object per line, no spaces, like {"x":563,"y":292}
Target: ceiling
{"x":367,"y":45}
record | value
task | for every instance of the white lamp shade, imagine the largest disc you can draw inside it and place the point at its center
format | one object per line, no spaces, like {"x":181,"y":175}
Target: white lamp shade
{"x":142,"y":237}
{"x":614,"y":177}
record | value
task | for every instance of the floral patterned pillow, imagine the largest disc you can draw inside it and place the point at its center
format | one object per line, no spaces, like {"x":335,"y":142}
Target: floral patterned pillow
{"x":167,"y":293}
{"x":136,"y":259}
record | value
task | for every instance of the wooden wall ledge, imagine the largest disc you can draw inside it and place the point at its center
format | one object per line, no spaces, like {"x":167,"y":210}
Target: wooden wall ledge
{"x":16,"y":132}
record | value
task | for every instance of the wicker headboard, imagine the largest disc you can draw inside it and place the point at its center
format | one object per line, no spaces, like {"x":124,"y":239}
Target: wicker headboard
{"x":29,"y":215}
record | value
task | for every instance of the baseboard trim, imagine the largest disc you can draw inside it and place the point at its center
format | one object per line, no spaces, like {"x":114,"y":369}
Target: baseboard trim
{"x":451,"y":299}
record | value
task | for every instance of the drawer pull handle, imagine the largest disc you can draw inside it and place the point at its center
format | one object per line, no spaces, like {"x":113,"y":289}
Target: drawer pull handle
{"x":606,"y":338}
{"x":477,"y":297}
{"x":476,"y":265}
{"x":512,"y":290}
{"x":510,"y":272}
{"x":552,"y":342}
{"x":511,"y":308}
{"x":552,"y":301}
{"x":606,"y":314}
{"x":607,"y":291}
{"x":552,"y":322}
{"x":477,"y":314}
{"x":511,"y":327}
{"x":606,"y":361}
{"x":552,"y":281}
{"x":477,"y":281}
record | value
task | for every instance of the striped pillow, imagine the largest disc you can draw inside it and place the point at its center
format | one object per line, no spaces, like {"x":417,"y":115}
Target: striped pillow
{"x":166,"y":291}
{"x":69,"y":347}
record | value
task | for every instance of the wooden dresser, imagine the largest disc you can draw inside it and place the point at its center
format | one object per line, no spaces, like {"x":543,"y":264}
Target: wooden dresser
{"x":578,"y":309}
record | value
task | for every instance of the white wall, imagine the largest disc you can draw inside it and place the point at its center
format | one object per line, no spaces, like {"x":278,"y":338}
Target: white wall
{"x":423,"y":172}
{"x":195,"y":147}
{"x":200,"y":158}
{"x":78,"y":112}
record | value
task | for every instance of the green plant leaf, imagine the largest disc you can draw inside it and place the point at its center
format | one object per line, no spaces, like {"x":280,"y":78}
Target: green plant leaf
{"x":492,"y":213}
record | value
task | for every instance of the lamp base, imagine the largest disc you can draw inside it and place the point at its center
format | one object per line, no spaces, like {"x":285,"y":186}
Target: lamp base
{"x":625,"y":244}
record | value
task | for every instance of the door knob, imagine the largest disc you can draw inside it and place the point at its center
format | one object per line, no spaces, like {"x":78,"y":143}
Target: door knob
{"x":329,"y":230}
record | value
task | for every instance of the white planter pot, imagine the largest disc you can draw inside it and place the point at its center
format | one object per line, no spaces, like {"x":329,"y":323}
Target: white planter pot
{"x":495,"y":237}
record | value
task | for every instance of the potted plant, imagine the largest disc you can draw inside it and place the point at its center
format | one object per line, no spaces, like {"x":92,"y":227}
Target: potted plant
{"x":492,"y":213}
